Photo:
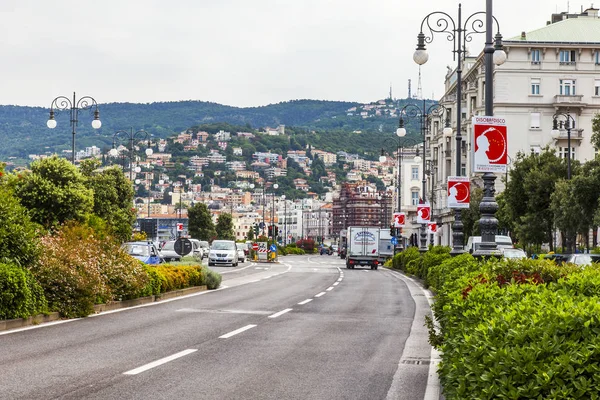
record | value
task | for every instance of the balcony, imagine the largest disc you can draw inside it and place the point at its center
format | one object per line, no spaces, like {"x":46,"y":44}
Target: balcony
{"x":569,"y":101}
{"x":576,"y":134}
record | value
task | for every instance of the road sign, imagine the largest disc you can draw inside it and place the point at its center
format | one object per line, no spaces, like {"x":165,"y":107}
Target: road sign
{"x":394,"y":240}
{"x":261,"y":225}
{"x":254,"y":246}
{"x":262,"y":250}
{"x":183,"y":246}
{"x":273,"y":248}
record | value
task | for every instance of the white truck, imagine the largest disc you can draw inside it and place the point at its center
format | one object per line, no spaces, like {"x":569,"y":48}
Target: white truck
{"x":386,"y":248}
{"x":363,"y":247}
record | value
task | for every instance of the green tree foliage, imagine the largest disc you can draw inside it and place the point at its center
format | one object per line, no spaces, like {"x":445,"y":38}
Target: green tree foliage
{"x":200,"y":222}
{"x":54,"y":192}
{"x":224,"y":227}
{"x":113,"y":198}
{"x":471,"y":215}
{"x":532,"y":181}
{"x":318,"y":169}
{"x":20,"y":294}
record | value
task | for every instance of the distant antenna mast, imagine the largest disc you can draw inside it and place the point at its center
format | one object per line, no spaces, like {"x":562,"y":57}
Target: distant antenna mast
{"x":391,"y":98}
{"x":409,"y":88}
{"x":419,"y":88}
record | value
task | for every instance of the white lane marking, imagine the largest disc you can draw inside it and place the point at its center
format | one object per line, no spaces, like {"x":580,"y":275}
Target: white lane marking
{"x":235,"y":270}
{"x":28,"y":328}
{"x":305,"y":302}
{"x":335,"y":284}
{"x":330,"y":288}
{"x":159,"y":362}
{"x":277,"y":314}
{"x":320,"y":294}
{"x":233,"y":333}
{"x":339,"y":280}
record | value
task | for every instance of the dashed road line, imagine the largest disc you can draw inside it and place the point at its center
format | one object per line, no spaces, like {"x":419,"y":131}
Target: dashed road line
{"x":320,"y":294}
{"x":277,"y":314}
{"x":159,"y":362}
{"x":336,"y":283}
{"x":330,"y":288}
{"x":237,"y":331}
{"x":305,"y":302}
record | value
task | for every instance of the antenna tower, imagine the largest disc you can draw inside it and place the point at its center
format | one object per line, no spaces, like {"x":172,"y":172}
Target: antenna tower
{"x":419,"y":88}
{"x":409,"y":88}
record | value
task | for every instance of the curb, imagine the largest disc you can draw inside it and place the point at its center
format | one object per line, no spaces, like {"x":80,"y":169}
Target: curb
{"x":9,"y":324}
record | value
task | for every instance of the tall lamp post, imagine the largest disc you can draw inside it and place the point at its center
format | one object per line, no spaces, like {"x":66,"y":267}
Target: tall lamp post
{"x":275,"y":187}
{"x":567,"y":123}
{"x":131,"y":137}
{"x":62,"y":103}
{"x":400,"y":145}
{"x":284,"y":220}
{"x":426,"y":114}
{"x":459,"y":34}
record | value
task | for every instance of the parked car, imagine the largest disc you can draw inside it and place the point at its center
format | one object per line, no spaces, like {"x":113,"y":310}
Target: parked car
{"x":205,"y":248}
{"x":582,"y":259}
{"x":168,"y":253}
{"x":474,"y":242}
{"x":223,"y":252}
{"x":143,"y":251}
{"x":513,"y":253}
{"x":197,"y":249}
{"x":241,"y":251}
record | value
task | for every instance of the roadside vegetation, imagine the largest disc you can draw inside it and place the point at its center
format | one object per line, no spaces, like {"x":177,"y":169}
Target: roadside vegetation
{"x":511,"y":329}
{"x":61,"y":230}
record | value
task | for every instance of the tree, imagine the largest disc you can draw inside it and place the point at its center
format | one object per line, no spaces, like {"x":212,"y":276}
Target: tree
{"x":224,"y":227}
{"x":200,"y":222}
{"x":54,"y":191}
{"x":113,"y":199}
{"x":250,"y":234}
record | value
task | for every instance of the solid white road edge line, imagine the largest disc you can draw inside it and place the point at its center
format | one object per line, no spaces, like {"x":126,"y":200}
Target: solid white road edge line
{"x":159,"y":362}
{"x":320,"y":294}
{"x":305,"y":302}
{"x":277,"y":314}
{"x":230,"y":334}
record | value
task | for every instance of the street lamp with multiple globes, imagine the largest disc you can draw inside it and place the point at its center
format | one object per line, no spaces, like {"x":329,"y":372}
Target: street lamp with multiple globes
{"x":400,"y":145}
{"x":131,"y":137}
{"x":62,"y":103}
{"x":567,"y":123}
{"x":435,"y":111}
{"x":459,"y":34}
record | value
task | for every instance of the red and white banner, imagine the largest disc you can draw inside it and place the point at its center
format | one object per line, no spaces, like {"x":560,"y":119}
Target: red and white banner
{"x":490,"y":153}
{"x":423,"y":213}
{"x":459,"y":192}
{"x":399,"y":219}
{"x":432,"y":227}
{"x":179,"y":227}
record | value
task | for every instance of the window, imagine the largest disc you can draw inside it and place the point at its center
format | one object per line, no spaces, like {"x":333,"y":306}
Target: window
{"x":536,"y":150}
{"x":414,"y":196}
{"x":567,"y":57}
{"x":415,"y":173}
{"x":597,"y":87}
{"x":535,"y":85}
{"x":535,"y":56}
{"x":534,"y":120}
{"x":463,"y":169}
{"x":563,"y":151}
{"x":567,"y":87}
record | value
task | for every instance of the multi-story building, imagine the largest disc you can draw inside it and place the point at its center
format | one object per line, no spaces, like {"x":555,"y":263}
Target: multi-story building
{"x":549,"y":71}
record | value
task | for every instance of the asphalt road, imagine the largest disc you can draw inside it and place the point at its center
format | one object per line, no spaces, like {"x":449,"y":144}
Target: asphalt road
{"x":304,"y":328}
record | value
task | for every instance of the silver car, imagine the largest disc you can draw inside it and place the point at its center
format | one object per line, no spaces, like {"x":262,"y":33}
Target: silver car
{"x":223,"y":252}
{"x":241,"y":247}
{"x":167,"y":252}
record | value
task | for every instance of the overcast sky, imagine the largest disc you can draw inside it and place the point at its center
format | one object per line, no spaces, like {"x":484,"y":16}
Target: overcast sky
{"x":234,"y":52}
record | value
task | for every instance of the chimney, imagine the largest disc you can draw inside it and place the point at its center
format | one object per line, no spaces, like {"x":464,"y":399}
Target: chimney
{"x":523,"y":35}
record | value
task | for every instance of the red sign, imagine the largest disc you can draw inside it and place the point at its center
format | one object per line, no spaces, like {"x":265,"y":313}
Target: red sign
{"x":399,"y":219}
{"x":459,"y":192}
{"x":432,"y":227}
{"x":423,"y":213}
{"x":179,"y":227}
{"x":254,"y":246}
{"x":491,"y":145}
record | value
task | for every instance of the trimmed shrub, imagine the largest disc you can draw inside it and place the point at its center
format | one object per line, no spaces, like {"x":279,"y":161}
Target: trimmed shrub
{"x":405,"y":257}
{"x":165,"y":278}
{"x":434,"y":257}
{"x":20,"y":295}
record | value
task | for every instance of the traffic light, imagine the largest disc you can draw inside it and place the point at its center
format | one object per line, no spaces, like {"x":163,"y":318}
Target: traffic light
{"x":256,"y":229}
{"x":392,"y":230}
{"x":275,"y":230}
{"x":270,"y":230}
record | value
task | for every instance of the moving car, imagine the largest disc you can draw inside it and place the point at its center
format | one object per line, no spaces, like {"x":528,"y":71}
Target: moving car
{"x":143,"y":251}
{"x":241,"y":250}
{"x":168,"y":253}
{"x":197,"y":249}
{"x":223,"y":252}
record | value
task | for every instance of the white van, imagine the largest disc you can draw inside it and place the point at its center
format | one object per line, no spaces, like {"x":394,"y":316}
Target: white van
{"x":503,"y":242}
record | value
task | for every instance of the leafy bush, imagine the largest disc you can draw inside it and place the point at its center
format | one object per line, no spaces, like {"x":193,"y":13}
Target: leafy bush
{"x":404,"y":258}
{"x":20,"y":295}
{"x":434,"y":257}
{"x":77,"y":270}
{"x":165,"y":278}
{"x":308,"y":245}
{"x":212,"y":280}
{"x":294,"y":250}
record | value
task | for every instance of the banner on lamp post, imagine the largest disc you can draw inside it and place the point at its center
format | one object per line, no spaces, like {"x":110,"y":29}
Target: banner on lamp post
{"x":432,"y":227}
{"x":490,"y":152}
{"x":399,"y":219}
{"x":459,"y":192}
{"x":423,"y":213}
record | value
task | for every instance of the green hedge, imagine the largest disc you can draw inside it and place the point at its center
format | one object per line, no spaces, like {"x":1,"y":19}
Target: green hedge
{"x":165,"y":278}
{"x":20,"y":295}
{"x":517,"y":329}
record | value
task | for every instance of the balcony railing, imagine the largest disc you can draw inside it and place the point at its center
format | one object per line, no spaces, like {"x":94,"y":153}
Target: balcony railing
{"x":576,"y":134}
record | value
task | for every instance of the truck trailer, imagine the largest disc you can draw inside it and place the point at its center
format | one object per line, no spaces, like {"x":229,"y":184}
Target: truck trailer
{"x":363,"y":247}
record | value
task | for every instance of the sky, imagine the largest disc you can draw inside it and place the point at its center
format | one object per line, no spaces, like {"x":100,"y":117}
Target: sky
{"x":242,"y":53}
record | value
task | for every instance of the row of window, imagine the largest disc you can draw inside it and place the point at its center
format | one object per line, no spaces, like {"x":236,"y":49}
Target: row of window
{"x":535,"y":121}
{"x":566,"y":87}
{"x":564,"y":56}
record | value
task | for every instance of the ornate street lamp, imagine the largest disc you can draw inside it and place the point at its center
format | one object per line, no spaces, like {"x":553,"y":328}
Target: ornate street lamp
{"x":435,"y":111}
{"x":567,"y":123}
{"x":459,"y":34}
{"x":62,"y":103}
{"x":131,"y":137}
